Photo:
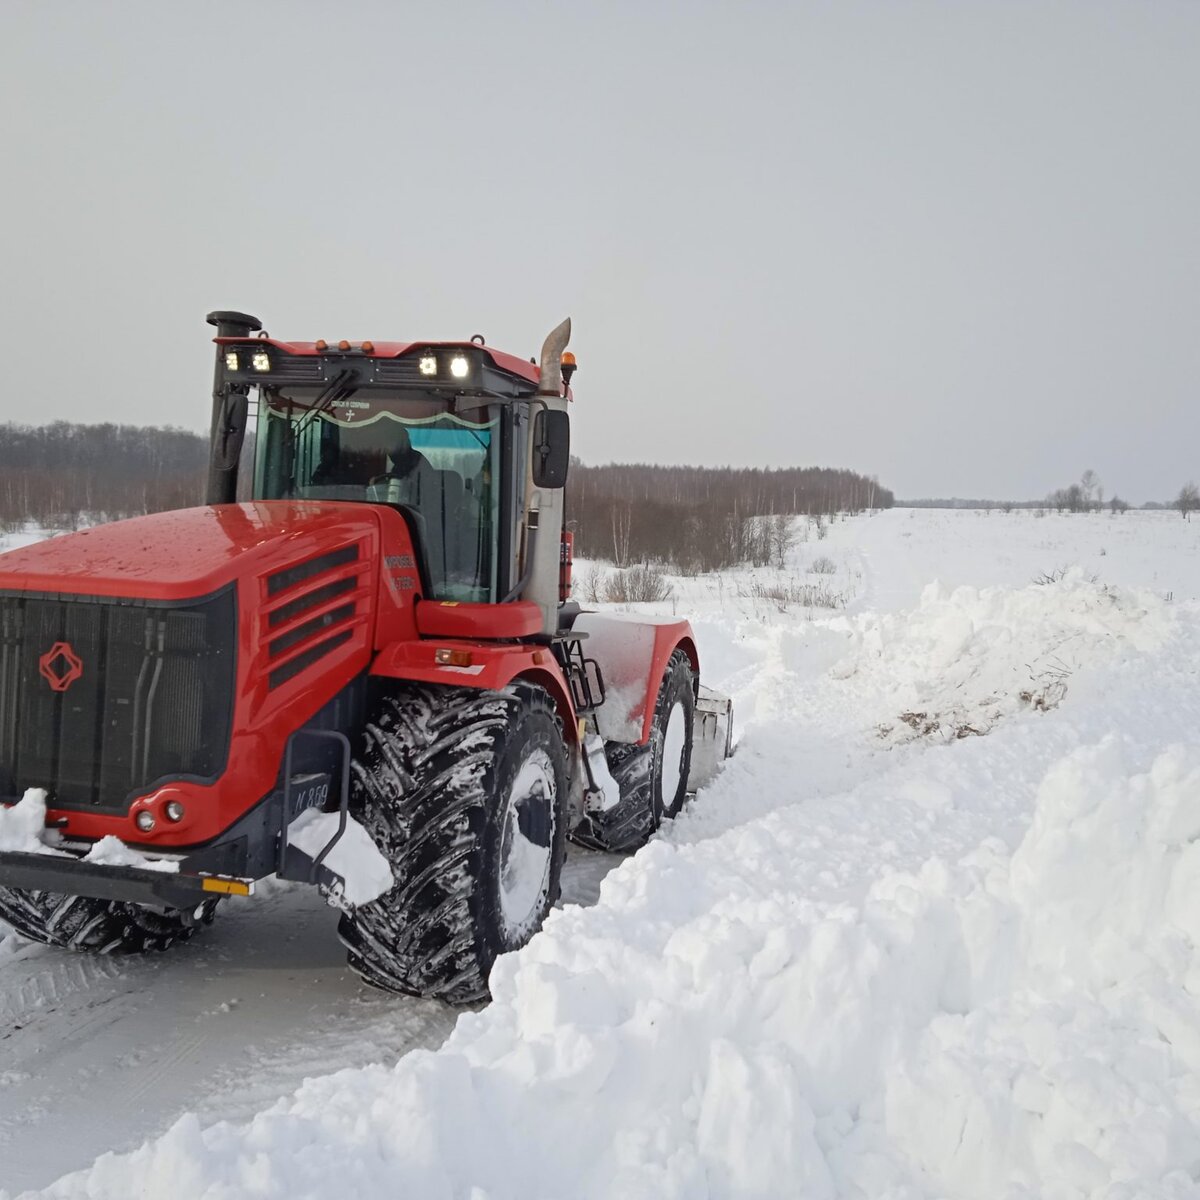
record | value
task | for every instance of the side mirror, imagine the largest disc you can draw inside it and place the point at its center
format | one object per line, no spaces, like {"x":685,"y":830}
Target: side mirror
{"x":551,"y":448}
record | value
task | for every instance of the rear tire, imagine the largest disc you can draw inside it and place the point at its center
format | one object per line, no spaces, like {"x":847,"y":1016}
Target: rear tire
{"x":463,"y":791}
{"x":98,"y":926}
{"x":652,"y":778}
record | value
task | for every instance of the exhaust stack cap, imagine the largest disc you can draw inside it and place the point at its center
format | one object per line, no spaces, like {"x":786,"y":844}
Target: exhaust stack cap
{"x":233,"y":324}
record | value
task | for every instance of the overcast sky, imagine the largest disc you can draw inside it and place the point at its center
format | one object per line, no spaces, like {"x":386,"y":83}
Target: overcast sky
{"x":956,"y":245}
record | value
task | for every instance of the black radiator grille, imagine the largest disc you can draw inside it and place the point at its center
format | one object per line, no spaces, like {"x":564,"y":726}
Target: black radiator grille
{"x":153,"y":699}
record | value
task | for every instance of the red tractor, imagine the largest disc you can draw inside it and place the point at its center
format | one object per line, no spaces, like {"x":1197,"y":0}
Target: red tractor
{"x":379,"y":646}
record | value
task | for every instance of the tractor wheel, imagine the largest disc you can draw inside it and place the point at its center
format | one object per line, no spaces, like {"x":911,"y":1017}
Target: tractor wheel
{"x":652,"y":778}
{"x":464,"y":792}
{"x":98,"y":926}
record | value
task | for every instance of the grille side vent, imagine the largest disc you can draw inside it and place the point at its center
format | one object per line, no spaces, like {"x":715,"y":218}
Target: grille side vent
{"x":291,"y":576}
{"x":313,"y":654}
{"x":313,"y":608}
{"x":293,"y":608}
{"x":298,"y":633}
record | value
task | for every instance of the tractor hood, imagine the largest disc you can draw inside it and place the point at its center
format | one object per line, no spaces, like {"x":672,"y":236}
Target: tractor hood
{"x":187,"y":553}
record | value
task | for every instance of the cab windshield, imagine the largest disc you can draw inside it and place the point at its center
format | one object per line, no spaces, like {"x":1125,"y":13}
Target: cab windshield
{"x":439,"y":465}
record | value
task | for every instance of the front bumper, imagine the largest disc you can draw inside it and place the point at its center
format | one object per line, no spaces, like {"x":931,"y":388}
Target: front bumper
{"x":135,"y":885}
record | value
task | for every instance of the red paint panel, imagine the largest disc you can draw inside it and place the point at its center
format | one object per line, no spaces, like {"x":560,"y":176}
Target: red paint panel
{"x":446,"y":619}
{"x":633,"y":654}
{"x":399,"y":581}
{"x":493,"y":667}
{"x":185,"y":554}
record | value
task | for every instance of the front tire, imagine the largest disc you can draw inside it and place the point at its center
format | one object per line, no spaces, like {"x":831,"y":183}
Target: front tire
{"x":652,"y":778}
{"x":98,"y":926}
{"x":463,"y":791}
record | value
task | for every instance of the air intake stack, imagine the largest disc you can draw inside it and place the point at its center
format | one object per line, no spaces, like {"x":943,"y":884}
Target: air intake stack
{"x":230,"y":405}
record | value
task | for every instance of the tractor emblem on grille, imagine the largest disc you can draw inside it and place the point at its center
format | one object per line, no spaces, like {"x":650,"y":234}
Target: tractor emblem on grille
{"x":60,"y":666}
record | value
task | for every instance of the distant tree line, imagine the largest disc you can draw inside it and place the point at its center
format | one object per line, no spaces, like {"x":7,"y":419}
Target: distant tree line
{"x":1086,"y":496}
{"x":704,"y":518}
{"x":693,"y":518}
{"x":54,"y":475}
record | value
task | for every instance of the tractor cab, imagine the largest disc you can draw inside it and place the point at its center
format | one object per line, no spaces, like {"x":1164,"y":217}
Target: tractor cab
{"x":441,"y":431}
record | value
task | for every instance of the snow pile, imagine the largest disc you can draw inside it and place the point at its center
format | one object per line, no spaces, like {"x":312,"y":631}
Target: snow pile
{"x":22,"y":826}
{"x":354,"y":856}
{"x":1020,"y":1027}
{"x":966,"y":658}
{"x":1067,"y":1062}
{"x":110,"y":851}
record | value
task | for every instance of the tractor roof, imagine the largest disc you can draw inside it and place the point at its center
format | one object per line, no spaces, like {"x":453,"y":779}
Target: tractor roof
{"x":511,"y":363}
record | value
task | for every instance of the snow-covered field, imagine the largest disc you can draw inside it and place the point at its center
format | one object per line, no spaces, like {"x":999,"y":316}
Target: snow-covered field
{"x":932,"y":932}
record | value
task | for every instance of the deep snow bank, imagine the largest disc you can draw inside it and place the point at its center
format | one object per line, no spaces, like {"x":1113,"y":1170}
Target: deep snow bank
{"x":1066,"y":1060}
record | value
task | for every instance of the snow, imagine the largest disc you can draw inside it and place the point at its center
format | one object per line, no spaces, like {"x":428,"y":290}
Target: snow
{"x":878,"y":957}
{"x":608,"y":788}
{"x":354,"y":856}
{"x":22,"y":825}
{"x":22,"y":828}
{"x":110,"y":851}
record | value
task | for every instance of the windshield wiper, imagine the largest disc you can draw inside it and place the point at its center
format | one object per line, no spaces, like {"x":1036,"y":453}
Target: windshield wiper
{"x":341,"y":387}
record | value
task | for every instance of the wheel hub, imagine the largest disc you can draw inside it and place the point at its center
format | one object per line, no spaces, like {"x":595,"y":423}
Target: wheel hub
{"x":526,"y":842}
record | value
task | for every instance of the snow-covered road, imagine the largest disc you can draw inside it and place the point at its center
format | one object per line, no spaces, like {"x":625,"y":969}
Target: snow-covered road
{"x":850,"y":969}
{"x":113,"y":1050}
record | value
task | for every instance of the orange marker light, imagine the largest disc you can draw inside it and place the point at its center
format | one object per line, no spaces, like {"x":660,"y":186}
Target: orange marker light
{"x":321,"y":344}
{"x":568,"y":367}
{"x":343,"y":344}
{"x":452,"y":658}
{"x":368,"y":347}
{"x":227,"y":886}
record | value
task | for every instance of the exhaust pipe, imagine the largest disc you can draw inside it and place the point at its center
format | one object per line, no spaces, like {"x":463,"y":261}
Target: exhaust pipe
{"x":543,"y":509}
{"x":550,"y":381}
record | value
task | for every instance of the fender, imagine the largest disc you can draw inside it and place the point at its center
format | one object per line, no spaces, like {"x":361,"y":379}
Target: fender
{"x":491,"y":667}
{"x":633,"y":652}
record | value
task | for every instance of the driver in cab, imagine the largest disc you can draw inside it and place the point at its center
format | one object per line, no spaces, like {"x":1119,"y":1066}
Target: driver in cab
{"x":409,"y":478}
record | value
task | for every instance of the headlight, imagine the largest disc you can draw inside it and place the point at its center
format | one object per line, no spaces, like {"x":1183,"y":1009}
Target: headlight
{"x":261,"y":361}
{"x":231,"y":360}
{"x":459,"y":367}
{"x":427,"y":365}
